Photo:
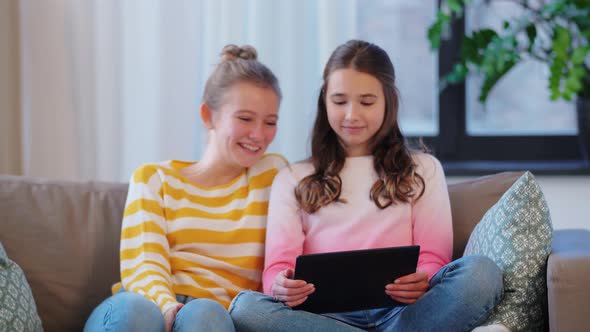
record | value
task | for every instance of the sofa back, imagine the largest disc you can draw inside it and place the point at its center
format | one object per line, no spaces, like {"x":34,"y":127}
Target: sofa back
{"x":65,"y":236}
{"x":471,"y":199}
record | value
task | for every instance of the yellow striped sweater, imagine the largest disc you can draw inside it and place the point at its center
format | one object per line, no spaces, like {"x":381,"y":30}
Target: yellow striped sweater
{"x":179,"y":238}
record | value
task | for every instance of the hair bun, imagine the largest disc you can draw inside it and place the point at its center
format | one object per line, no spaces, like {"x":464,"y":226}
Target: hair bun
{"x":231,"y":52}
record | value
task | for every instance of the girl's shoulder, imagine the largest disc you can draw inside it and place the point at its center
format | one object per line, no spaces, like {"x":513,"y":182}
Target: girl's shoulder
{"x":146,"y":171}
{"x":274,"y":159}
{"x":293,"y":173}
{"x":269,"y":161}
{"x":427,"y":165}
{"x":300,"y":169}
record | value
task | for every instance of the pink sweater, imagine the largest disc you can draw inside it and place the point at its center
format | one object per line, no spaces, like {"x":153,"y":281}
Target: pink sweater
{"x":358,"y":223}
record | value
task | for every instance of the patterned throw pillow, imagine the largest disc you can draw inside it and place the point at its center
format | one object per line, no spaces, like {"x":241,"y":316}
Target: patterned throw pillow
{"x":516,"y":233}
{"x":17,"y":306}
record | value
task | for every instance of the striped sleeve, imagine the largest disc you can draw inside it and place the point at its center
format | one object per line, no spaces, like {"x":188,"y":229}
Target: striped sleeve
{"x":145,"y":263}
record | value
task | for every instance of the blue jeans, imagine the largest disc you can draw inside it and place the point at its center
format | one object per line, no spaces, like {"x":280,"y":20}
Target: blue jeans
{"x":461,"y":296}
{"x":128,"y":311}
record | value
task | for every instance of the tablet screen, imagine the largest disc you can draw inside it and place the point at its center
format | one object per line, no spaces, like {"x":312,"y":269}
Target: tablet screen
{"x":354,"y":280}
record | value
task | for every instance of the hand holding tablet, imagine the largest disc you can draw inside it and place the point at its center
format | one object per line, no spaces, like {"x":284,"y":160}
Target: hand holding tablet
{"x":408,"y":289}
{"x":289,"y":291}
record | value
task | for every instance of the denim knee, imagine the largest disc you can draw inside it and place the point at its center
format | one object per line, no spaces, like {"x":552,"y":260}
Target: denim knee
{"x":203,"y":315}
{"x":249,"y":311}
{"x":126,"y":311}
{"x":245,"y":301}
{"x":488,"y":278}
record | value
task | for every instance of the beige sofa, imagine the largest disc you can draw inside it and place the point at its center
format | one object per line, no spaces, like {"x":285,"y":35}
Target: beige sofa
{"x":65,"y":236}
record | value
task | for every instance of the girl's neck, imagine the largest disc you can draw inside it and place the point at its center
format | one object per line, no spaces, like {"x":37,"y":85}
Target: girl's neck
{"x":364,"y":156}
{"x":356,"y":151}
{"x":212,"y":171}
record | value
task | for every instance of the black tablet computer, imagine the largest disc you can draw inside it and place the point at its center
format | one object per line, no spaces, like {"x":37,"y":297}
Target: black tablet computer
{"x":353,"y":280}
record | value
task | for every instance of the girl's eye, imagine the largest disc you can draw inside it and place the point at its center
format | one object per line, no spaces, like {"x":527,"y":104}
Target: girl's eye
{"x":338,"y":102}
{"x":366,"y":104}
{"x":244,"y":119}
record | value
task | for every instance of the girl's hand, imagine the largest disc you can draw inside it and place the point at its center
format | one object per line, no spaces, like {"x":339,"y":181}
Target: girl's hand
{"x":290,"y":292}
{"x":169,"y":317}
{"x":408,"y":289}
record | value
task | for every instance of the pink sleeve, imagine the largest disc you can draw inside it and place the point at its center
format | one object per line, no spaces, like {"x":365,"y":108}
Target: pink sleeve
{"x":284,"y":231}
{"x":431,"y":218}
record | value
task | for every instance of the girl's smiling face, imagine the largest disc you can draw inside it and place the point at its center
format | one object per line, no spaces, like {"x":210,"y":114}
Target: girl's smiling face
{"x":245,"y":124}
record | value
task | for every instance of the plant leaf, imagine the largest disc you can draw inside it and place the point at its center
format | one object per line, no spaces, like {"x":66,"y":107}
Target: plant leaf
{"x":556,"y":70}
{"x":491,"y":80}
{"x":578,"y":71}
{"x":483,"y":37}
{"x":573,"y":83}
{"x":582,"y":3}
{"x":473,"y":48}
{"x":434,"y":35}
{"x":458,"y":74}
{"x":436,"y":29}
{"x":582,"y":19}
{"x":561,"y":41}
{"x":579,"y":54}
{"x":454,"y":6}
{"x":554,"y":8}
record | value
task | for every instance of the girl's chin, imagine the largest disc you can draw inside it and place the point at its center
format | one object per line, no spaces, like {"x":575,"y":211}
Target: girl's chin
{"x":247,"y":163}
{"x":249,"y":159}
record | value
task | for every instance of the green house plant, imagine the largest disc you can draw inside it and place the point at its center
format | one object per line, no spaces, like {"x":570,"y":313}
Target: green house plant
{"x":556,"y":33}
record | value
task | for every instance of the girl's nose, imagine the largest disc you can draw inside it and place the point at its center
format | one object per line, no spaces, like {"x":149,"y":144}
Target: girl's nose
{"x":257,"y":132}
{"x":351,"y":112}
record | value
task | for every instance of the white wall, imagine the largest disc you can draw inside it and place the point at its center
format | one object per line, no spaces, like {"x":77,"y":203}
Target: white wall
{"x":568,"y":198}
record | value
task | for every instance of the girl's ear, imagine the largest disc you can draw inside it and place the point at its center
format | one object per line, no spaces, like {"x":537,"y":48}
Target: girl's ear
{"x":206,"y":116}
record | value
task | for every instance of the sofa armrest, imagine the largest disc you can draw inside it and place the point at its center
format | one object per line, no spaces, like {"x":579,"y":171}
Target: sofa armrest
{"x":568,"y":272}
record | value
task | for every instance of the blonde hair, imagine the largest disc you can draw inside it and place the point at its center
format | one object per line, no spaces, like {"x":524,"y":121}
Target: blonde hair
{"x":238,"y":64}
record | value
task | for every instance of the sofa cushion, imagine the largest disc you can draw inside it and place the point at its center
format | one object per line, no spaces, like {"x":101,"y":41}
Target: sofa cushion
{"x":65,"y":236}
{"x":17,"y":306}
{"x":471,"y":199}
{"x":516,"y":234}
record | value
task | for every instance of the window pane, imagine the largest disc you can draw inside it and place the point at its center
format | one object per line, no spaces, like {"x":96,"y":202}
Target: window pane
{"x":519,"y":104}
{"x":399,"y":27}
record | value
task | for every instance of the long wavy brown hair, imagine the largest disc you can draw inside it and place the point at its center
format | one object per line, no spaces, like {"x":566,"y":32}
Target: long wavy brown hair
{"x":398,"y":180}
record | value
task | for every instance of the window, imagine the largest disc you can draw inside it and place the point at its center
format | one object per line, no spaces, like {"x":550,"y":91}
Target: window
{"x":519,"y":127}
{"x":399,"y":27}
